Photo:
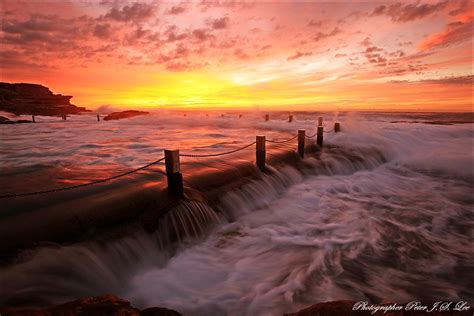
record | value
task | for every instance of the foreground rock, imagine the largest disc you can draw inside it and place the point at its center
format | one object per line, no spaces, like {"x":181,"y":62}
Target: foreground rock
{"x":124,"y":114}
{"x":92,"y":306}
{"x":5,"y":120}
{"x":114,"y":306}
{"x":340,"y":308}
{"x":34,"y":99}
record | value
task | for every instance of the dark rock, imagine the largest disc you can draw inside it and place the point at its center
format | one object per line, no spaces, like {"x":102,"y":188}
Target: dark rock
{"x":124,"y":114}
{"x":4,"y":120}
{"x":158,"y":311}
{"x":115,"y":306}
{"x":91,"y":306}
{"x":35,"y":99}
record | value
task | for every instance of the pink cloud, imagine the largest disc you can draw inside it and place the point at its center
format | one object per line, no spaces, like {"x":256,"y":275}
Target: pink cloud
{"x":454,"y":33}
{"x":399,"y":12}
{"x":320,"y":36}
{"x":175,"y":10}
{"x":134,"y":12}
{"x":221,"y":23}
{"x":299,"y":55}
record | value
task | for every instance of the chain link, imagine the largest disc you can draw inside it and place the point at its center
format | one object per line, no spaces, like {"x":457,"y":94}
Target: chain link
{"x":218,"y":154}
{"x":281,"y":141}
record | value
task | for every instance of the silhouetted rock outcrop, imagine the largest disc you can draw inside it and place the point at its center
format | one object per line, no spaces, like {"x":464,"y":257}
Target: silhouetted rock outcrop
{"x":35,"y":99}
{"x":92,"y":306}
{"x":124,"y":114}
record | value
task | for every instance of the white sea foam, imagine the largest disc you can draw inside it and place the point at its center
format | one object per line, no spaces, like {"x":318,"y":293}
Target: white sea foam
{"x":394,"y":225}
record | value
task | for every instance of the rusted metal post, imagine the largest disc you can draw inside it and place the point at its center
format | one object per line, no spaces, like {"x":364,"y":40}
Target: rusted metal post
{"x":173,"y":174}
{"x":319,"y":136}
{"x":290,"y":118}
{"x":98,"y":118}
{"x":320,"y":121}
{"x":33,"y":119}
{"x":301,"y":138}
{"x":267,"y":117}
{"x":260,"y":152}
{"x":337,"y":127}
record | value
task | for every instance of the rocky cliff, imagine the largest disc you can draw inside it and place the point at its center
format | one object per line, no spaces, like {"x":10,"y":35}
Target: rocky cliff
{"x":35,"y":99}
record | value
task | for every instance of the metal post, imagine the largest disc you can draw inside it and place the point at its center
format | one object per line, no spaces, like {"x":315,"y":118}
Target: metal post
{"x":290,"y":118}
{"x":301,"y":138}
{"x":173,"y":174}
{"x":98,"y":118}
{"x":320,"y":121}
{"x":260,"y":152}
{"x":267,"y":117}
{"x":33,"y":119}
{"x":337,"y":127}
{"x":319,"y":137}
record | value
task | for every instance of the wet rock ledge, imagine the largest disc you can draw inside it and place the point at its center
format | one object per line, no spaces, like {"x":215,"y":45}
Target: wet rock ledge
{"x":91,"y":306}
{"x":6,"y":120}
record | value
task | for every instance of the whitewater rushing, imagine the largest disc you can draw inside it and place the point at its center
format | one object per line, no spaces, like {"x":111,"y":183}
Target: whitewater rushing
{"x":384,"y":215}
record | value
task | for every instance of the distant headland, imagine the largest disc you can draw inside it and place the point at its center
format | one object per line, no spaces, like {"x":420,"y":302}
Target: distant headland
{"x":35,"y":99}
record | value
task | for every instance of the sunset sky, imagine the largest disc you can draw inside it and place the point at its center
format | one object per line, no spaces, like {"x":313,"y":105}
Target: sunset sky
{"x":279,"y":55}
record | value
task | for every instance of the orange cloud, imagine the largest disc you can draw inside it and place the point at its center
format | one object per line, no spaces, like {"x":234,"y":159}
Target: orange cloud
{"x":454,"y":33}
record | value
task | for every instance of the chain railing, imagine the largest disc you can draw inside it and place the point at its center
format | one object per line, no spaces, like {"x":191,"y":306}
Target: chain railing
{"x":175,"y":181}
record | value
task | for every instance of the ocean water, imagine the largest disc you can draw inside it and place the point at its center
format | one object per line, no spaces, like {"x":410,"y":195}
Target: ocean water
{"x":383,"y":214}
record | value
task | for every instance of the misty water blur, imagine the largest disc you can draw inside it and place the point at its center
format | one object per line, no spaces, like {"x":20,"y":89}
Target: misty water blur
{"x":394,"y":225}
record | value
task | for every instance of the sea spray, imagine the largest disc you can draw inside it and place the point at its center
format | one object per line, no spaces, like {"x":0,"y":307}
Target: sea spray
{"x":384,"y":213}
